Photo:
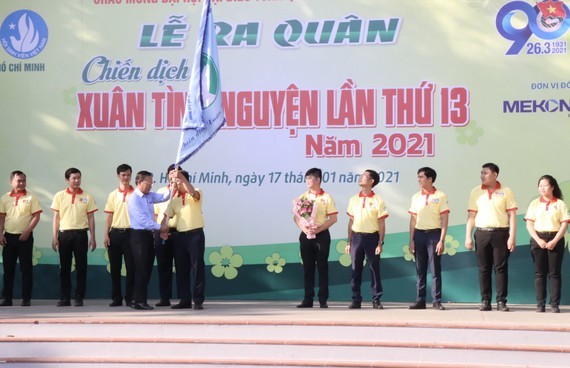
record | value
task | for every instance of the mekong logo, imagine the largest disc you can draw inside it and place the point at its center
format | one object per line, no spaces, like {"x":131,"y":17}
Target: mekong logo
{"x":24,"y":34}
{"x":547,"y":20}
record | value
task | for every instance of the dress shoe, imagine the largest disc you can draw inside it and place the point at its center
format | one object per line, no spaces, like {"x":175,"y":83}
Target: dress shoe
{"x":323,"y":304}
{"x":141,"y":306}
{"x":64,"y":303}
{"x":78,"y":303}
{"x":129,"y":303}
{"x":354,"y":305}
{"x":420,"y":304}
{"x":555,"y":309}
{"x":182,"y":305}
{"x":198,"y":306}
{"x":6,"y":303}
{"x":502,"y":307}
{"x":306,"y":304}
{"x":438,"y":306}
{"x":485,"y":306}
{"x":377,"y":305}
{"x":116,"y":303}
{"x":26,"y":303}
{"x":163,"y":303}
{"x":540,"y":308}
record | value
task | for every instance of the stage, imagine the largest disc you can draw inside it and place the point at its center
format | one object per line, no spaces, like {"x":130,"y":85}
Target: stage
{"x":262,"y":333}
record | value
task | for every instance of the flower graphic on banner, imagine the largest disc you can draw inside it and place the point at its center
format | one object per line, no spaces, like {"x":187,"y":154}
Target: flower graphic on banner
{"x":344,"y":258}
{"x":36,"y":255}
{"x":275,"y":263}
{"x":450,"y":245}
{"x":408,"y":256}
{"x":469,"y":134}
{"x":225,"y":263}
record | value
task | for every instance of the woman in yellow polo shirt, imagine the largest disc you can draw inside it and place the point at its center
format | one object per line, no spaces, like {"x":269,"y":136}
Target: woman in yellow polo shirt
{"x":547,"y":221}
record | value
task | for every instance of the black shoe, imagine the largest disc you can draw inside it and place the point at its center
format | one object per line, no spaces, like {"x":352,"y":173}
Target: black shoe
{"x":163,"y":303}
{"x":555,"y":309}
{"x":323,"y":304}
{"x":354,"y":305}
{"x":438,"y":306}
{"x":182,"y":305}
{"x":116,"y":303}
{"x":141,"y":306}
{"x":198,"y":306}
{"x":420,"y":304}
{"x":540,"y":308}
{"x":64,"y":303}
{"x":78,"y":303}
{"x":26,"y":303}
{"x":377,"y":305}
{"x":502,"y":307}
{"x":306,"y":304}
{"x":6,"y":303}
{"x":485,"y":306}
{"x":129,"y":303}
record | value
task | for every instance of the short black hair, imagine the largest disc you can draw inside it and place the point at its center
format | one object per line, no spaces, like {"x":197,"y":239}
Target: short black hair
{"x":374,"y":176}
{"x":429,"y":173}
{"x":123,"y":168}
{"x":71,"y":170}
{"x":141,"y":175}
{"x":316,"y":172}
{"x":172,"y":167}
{"x":491,"y":166}
{"x":16,"y":172}
{"x":185,"y":174}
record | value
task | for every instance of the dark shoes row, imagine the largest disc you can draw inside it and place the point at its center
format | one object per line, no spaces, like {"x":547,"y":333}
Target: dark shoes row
{"x":486,"y":306}
{"x":161,"y":303}
{"x":421,"y":304}
{"x":306,"y":303}
{"x":540,"y":308}
{"x":9,"y":303}
{"x":67,"y":303}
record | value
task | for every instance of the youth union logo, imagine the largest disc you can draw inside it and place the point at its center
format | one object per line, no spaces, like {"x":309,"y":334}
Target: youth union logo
{"x":24,"y":34}
{"x":210,"y":81}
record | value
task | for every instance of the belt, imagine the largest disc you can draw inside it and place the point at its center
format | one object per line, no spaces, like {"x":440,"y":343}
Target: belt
{"x":191,"y":231}
{"x":488,"y":229}
{"x":143,"y":231}
{"x":73,"y":230}
{"x":425,"y":231}
{"x":365,"y":234}
{"x":547,"y":233}
{"x":171,"y":229}
{"x":121,"y":229}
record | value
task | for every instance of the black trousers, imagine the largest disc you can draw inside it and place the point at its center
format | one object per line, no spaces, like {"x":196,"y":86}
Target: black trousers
{"x":119,"y":249}
{"x":164,"y":250}
{"x":142,"y":248}
{"x":73,"y":244}
{"x":13,"y":251}
{"x":493,"y":254}
{"x":547,"y":262}
{"x":365,"y":245}
{"x":315,"y":256}
{"x":189,"y":248}
{"x":425,"y":245}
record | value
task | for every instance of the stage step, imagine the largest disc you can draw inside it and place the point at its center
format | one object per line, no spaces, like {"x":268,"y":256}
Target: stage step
{"x":202,"y":342}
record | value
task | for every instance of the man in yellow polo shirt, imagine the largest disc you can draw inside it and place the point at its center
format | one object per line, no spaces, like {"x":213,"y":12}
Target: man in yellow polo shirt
{"x":189,"y":243}
{"x":315,"y":240}
{"x":366,"y":232}
{"x":19,"y":214}
{"x":73,"y":217}
{"x":429,"y":216}
{"x":118,"y":237}
{"x":492,"y":212}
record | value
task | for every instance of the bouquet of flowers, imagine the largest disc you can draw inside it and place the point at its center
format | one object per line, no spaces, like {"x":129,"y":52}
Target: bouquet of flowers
{"x":305,"y":209}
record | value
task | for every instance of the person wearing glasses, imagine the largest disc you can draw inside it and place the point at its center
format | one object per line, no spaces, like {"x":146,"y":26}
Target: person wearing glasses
{"x":143,"y":226}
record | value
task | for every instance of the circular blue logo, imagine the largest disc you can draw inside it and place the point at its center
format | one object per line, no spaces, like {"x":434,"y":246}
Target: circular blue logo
{"x":24,"y":34}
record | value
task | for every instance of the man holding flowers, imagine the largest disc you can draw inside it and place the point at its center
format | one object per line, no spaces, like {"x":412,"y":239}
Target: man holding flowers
{"x":315,"y":212}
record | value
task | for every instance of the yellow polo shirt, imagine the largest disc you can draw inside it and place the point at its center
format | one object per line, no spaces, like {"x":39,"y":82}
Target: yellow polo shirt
{"x":73,"y":209}
{"x":188,"y":211}
{"x":428,"y":208}
{"x":547,"y":216}
{"x":19,"y":209}
{"x":160,"y":208}
{"x":325,"y":205}
{"x":117,"y":205}
{"x":492,"y":207}
{"x":365,"y":211}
